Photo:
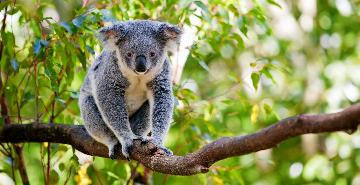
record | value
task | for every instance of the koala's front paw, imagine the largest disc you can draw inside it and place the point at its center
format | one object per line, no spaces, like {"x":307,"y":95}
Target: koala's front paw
{"x":143,"y":139}
{"x":114,"y":150}
{"x":126,"y":146}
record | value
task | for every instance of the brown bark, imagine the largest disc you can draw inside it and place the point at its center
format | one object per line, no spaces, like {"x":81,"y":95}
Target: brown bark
{"x":198,"y":161}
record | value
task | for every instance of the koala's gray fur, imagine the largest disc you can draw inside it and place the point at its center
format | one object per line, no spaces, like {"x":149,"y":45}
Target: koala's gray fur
{"x":127,"y":92}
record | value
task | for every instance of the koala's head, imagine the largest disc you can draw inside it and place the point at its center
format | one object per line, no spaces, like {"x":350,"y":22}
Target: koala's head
{"x":141,"y":45}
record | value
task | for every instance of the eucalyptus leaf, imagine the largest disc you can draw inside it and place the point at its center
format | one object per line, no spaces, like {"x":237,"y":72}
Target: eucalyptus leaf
{"x":255,"y":77}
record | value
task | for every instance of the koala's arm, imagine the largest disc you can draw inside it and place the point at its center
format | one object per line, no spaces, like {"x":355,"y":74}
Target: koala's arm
{"x":109,"y":92}
{"x":161,"y":106}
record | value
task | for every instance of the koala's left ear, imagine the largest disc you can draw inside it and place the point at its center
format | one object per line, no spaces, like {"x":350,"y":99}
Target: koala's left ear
{"x":169,"y":32}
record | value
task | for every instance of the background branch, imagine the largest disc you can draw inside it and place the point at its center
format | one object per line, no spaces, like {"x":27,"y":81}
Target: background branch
{"x":196,"y":162}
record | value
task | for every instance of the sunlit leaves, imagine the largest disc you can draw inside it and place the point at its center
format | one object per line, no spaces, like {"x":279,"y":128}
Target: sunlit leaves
{"x":4,"y":3}
{"x":9,"y":47}
{"x":52,"y":75}
{"x":204,"y":8}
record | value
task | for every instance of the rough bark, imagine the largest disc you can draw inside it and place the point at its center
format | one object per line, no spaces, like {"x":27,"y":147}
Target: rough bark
{"x":198,"y":161}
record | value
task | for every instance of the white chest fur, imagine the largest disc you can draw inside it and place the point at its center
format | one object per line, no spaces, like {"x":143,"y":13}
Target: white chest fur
{"x":136,"y":94}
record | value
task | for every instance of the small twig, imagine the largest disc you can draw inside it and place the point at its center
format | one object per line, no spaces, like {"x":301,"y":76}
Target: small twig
{"x":13,"y":169}
{"x":36,"y":91}
{"x":97,"y":175}
{"x":133,"y":173}
{"x":22,"y":169}
{"x":42,"y":161}
{"x":68,"y":177}
{"x":49,"y":144}
{"x":48,"y":165}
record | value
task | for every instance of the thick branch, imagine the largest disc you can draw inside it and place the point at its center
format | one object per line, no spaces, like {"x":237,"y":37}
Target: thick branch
{"x":196,"y":162}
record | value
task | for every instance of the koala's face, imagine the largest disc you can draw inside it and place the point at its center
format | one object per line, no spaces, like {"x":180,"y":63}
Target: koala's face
{"x":140,"y":45}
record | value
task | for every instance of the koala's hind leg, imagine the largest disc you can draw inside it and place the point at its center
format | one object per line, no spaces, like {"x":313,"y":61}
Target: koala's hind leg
{"x":140,"y":121}
{"x":95,"y":125}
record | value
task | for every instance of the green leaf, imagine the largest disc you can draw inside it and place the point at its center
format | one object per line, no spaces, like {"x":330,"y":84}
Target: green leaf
{"x":9,"y":39}
{"x":255,"y":77}
{"x":267,"y":73}
{"x":205,"y":10}
{"x":204,"y":65}
{"x":242,"y":23}
{"x":240,"y":41}
{"x":274,"y":3}
{"x":267,"y":108}
{"x":54,"y":177}
{"x":26,"y":98}
{"x":202,"y":6}
{"x":13,"y":11}
{"x":113,"y":175}
{"x":61,"y":166}
{"x":52,"y":75}
{"x":3,"y":4}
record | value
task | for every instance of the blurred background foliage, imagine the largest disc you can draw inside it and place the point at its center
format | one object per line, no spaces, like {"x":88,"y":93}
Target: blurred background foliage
{"x":251,"y":63}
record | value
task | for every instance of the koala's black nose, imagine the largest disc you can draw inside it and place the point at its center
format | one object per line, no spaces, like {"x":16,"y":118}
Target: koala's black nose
{"x":140,"y":64}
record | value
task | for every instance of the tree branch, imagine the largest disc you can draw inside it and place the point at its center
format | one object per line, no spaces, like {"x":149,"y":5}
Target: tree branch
{"x":196,"y":162}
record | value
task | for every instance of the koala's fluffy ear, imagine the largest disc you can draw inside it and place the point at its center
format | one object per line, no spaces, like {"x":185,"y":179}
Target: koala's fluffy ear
{"x":115,"y":33}
{"x":170,"y":34}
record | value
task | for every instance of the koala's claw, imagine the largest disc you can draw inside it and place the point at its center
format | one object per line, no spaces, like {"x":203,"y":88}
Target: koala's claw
{"x":126,"y":147}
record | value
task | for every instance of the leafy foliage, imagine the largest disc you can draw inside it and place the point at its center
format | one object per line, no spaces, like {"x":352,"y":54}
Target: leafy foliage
{"x":252,"y":63}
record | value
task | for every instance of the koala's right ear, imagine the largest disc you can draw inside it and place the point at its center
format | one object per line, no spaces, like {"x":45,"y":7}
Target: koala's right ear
{"x":114,"y":33}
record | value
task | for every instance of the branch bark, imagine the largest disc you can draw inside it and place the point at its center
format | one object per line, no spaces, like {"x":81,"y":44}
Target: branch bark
{"x":198,"y":161}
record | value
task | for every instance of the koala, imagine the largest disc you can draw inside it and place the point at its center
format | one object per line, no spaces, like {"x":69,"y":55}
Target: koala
{"x":127,"y":92}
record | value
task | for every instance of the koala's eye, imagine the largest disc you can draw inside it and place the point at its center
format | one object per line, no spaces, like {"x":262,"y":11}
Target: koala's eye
{"x":128,"y":54}
{"x":152,"y":54}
